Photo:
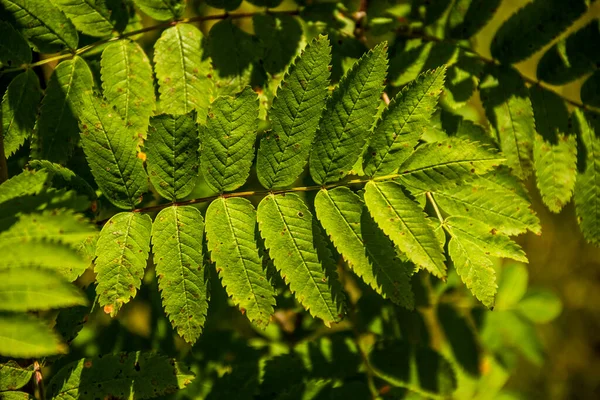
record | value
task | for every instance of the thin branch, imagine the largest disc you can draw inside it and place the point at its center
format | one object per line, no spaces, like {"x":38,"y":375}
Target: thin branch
{"x":418,"y":34}
{"x":163,"y":25}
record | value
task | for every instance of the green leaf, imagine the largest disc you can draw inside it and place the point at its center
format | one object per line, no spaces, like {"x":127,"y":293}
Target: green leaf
{"x":280,"y":35}
{"x":177,"y":247}
{"x":294,"y":116}
{"x":590,"y":89}
{"x":110,"y":148}
{"x":474,"y":267}
{"x":288,"y":229}
{"x":14,"y":50}
{"x":128,"y":84}
{"x":25,"y":183}
{"x":231,"y":49}
{"x":500,"y":208}
{"x":403,"y":122}
{"x":91,"y":17}
{"x":228,"y":141}
{"x":63,"y":177}
{"x":182,"y":74}
{"x":56,"y":130}
{"x":121,"y":252}
{"x":572,"y":57}
{"x":479,"y":234}
{"x":419,"y":369}
{"x":50,"y":239}
{"x":43,"y":25}
{"x":162,"y":10}
{"x":228,"y":5}
{"x":13,"y":376}
{"x":467,"y":17}
{"x":404,"y":222}
{"x":532,"y":27}
{"x":512,"y":286}
{"x":28,"y":290}
{"x":23,"y":336}
{"x":447,"y":163}
{"x":348,"y":117}
{"x":19,"y":109}
{"x":172,"y":154}
{"x":508,"y":108}
{"x":231,"y":235}
{"x":587,"y":186}
{"x":365,"y":248}
{"x":540,"y":306}
{"x":136,"y":375}
{"x":16,"y":396}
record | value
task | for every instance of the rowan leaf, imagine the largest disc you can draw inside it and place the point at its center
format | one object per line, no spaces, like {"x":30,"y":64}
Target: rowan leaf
{"x":110,"y":148}
{"x":128,"y":84}
{"x":346,"y":122}
{"x":366,"y":249}
{"x":403,"y":221}
{"x":13,"y":376}
{"x":507,"y":105}
{"x":19,"y":109}
{"x":139,"y":375}
{"x":162,"y":10}
{"x":24,"y":336}
{"x":402,"y":123}
{"x":25,"y":183}
{"x":14,"y":50}
{"x":287,"y":227}
{"x":172,"y":154}
{"x":46,"y":28}
{"x":533,"y":26}
{"x":294,"y":116}
{"x":30,"y":289}
{"x":177,"y":246}
{"x":92,"y":17}
{"x":56,"y":130}
{"x":447,"y":163}
{"x":231,"y":234}
{"x":228,"y":141}
{"x":587,"y":186}
{"x":181,"y":72}
{"x":121,"y":254}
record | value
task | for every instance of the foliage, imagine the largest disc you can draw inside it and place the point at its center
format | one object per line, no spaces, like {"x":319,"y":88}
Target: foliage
{"x":326,"y":167}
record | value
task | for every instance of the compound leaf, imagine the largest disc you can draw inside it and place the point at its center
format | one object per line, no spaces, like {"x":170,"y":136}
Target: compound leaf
{"x":172,"y":154}
{"x":442,"y":164}
{"x":56,"y":130}
{"x":294,"y":116}
{"x":110,"y":148}
{"x":121,"y":255}
{"x":19,"y":109}
{"x":231,"y":235}
{"x":162,"y":10}
{"x":587,"y":186}
{"x":46,"y":28}
{"x":137,"y":375}
{"x":348,"y":117}
{"x":128,"y":84}
{"x":287,"y":227}
{"x":228,"y":140}
{"x":91,"y":17}
{"x":533,"y":26}
{"x":31,"y":289}
{"x":507,"y":105}
{"x":404,"y":222}
{"x":25,"y":183}
{"x":367,"y":250}
{"x":402,"y":123}
{"x":24,"y":336}
{"x":182,"y":74}
{"x":467,"y":17}
{"x":177,"y":247}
